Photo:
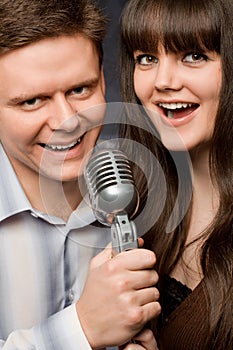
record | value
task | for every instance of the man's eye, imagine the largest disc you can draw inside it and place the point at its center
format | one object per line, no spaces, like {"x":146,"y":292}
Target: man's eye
{"x":79,"y":90}
{"x":31,"y":103}
{"x":195,"y":57}
{"x":146,"y":60}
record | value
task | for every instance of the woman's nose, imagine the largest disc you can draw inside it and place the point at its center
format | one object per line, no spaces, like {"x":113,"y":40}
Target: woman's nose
{"x":167,"y":76}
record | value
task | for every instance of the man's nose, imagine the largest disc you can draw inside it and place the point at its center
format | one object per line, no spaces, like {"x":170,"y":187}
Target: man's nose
{"x":63,"y":114}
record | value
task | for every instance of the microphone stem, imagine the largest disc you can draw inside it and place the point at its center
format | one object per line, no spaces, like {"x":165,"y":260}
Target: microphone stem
{"x":124,"y":233}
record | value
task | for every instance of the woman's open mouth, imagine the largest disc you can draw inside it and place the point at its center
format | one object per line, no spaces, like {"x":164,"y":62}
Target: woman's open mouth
{"x":177,"y":110}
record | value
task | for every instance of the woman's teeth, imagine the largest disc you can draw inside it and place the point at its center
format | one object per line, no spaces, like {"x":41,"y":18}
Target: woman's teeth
{"x":172,"y":108}
{"x":61,"y":147}
{"x":175,"y":105}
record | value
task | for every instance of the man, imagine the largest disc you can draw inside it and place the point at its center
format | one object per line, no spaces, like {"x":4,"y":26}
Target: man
{"x":51,"y":111}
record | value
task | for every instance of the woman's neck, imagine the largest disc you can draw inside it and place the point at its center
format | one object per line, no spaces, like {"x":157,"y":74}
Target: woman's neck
{"x":205,"y":197}
{"x":204,"y":208}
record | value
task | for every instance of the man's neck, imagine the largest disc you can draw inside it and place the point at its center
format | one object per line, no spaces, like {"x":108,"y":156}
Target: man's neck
{"x":50,"y":196}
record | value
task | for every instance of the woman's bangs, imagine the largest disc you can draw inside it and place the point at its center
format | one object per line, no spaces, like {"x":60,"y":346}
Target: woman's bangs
{"x":181,"y":31}
{"x":142,"y":36}
{"x":176,"y":27}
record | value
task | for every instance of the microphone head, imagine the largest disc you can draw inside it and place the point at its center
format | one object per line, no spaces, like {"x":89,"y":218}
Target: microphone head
{"x":111,"y":185}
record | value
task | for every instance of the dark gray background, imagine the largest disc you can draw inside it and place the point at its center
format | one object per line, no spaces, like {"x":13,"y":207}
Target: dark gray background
{"x":113,"y":9}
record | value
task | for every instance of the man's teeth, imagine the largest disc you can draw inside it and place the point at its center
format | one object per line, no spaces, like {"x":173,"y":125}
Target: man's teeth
{"x":62,"y":147}
{"x":175,"y":105}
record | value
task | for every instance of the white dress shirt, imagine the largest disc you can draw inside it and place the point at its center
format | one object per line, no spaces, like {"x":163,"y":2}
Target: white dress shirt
{"x":43,"y":267}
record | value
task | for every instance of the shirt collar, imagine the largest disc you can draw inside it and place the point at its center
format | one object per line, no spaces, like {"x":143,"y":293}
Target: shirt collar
{"x":12,"y":197}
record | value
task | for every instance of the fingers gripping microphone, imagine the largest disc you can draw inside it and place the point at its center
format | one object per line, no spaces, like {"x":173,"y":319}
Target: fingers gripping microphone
{"x":114,"y":197}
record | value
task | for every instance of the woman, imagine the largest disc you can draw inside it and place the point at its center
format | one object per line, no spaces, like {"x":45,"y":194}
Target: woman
{"x":177,"y":63}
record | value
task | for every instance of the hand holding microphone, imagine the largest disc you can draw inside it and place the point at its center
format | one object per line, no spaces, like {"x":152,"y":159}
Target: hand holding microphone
{"x":119,"y":296}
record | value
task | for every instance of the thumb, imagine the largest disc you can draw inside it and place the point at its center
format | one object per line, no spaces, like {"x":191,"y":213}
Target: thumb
{"x":102,"y":257}
{"x":107,"y":254}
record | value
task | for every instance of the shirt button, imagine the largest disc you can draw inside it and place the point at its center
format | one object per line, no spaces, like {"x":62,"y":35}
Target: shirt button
{"x":71,"y":295}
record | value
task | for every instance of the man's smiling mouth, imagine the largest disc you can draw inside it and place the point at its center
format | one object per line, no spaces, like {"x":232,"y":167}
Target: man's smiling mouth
{"x":61,"y":148}
{"x":177,"y":110}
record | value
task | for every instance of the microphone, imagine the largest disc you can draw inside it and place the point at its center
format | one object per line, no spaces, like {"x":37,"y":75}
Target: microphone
{"x":113,"y":195}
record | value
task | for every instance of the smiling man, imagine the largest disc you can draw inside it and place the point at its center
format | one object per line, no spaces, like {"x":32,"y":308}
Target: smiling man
{"x":43,"y":130}
{"x":52,"y":107}
{"x":42,"y":92}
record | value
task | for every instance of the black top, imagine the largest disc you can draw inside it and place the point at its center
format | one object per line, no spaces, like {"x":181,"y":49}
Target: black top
{"x":174,"y":293}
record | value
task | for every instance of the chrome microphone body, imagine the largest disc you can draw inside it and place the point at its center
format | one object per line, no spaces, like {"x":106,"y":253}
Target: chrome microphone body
{"x":113,"y":195}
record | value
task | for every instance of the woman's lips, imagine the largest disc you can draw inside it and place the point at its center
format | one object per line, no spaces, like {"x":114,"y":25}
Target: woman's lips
{"x":177,"y":113}
{"x":177,"y":110}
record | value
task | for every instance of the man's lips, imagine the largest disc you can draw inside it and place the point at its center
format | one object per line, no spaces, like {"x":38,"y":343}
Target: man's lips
{"x":61,"y":147}
{"x":177,"y":110}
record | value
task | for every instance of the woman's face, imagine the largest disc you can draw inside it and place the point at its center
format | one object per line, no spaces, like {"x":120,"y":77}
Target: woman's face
{"x":180,"y":92}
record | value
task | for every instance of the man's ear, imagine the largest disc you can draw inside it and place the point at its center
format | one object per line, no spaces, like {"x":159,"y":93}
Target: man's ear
{"x":103,"y":85}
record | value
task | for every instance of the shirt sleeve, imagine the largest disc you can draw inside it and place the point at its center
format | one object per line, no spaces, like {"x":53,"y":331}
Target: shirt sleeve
{"x":61,"y":331}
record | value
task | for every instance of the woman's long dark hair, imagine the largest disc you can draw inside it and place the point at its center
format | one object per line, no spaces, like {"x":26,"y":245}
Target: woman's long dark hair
{"x":196,"y":25}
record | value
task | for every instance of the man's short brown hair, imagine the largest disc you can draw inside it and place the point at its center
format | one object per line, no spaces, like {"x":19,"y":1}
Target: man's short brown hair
{"x":23,"y":22}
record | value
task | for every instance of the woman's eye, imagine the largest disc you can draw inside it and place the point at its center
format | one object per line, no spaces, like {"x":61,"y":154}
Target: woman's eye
{"x":194,"y":57}
{"x":146,"y":60}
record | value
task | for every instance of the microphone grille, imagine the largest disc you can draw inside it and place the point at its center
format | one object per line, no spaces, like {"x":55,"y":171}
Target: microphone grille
{"x":107,"y":168}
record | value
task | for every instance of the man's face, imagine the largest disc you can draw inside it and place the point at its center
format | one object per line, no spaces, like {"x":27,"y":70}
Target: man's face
{"x":51,"y":106}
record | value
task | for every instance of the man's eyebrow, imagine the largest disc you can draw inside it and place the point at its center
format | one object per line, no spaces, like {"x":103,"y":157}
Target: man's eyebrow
{"x":25,"y":97}
{"x":88,"y":82}
{"x":19,"y":99}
